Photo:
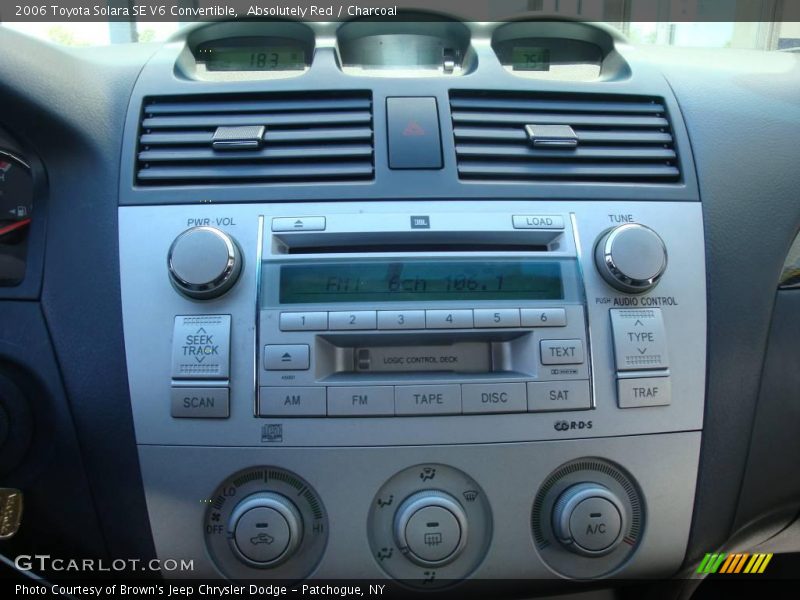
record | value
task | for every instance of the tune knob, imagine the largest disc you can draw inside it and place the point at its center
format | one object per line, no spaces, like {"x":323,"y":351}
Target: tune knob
{"x":632,"y":258}
{"x":265,"y":529}
{"x":430,"y":528}
{"x":204,"y":262}
{"x":588,"y":519}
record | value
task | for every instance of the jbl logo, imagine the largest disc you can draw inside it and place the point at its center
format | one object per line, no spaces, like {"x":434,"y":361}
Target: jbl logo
{"x":420,"y":222}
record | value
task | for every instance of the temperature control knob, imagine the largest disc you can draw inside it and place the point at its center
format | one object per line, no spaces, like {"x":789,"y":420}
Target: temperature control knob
{"x":632,"y":258}
{"x":588,"y":519}
{"x":204,"y":262}
{"x":430,"y":527}
{"x":265,"y":529}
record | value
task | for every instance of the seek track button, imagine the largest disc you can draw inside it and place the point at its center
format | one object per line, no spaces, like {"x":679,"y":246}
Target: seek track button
{"x":201,"y":347}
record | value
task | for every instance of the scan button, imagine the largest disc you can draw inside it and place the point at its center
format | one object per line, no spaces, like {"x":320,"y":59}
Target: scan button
{"x":200,"y":403}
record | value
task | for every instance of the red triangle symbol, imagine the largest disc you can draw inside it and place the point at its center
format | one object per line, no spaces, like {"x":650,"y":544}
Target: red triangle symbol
{"x":413,"y":129}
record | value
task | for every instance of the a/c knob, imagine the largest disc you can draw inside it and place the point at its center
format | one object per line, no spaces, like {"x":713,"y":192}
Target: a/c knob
{"x":631,"y":258}
{"x":589,"y":519}
{"x":204,"y":263}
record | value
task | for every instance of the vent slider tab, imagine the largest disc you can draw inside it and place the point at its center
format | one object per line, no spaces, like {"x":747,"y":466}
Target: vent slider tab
{"x":552,"y":136}
{"x":247,"y":137}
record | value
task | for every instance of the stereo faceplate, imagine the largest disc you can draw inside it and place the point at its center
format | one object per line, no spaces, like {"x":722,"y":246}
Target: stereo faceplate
{"x":644,"y":352}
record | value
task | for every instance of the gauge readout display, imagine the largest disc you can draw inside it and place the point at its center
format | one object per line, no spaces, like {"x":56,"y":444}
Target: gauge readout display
{"x":253,"y":58}
{"x":16,"y":205}
{"x":530,"y":58}
{"x":420,"y":281}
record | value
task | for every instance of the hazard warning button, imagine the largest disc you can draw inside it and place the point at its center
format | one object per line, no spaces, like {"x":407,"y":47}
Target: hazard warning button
{"x":414,"y":138}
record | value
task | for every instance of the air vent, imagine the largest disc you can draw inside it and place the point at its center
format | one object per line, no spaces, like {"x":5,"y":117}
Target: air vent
{"x":285,"y":138}
{"x":598,"y":138}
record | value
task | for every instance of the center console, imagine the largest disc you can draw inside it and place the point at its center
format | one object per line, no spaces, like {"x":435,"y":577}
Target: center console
{"x":353,"y":375}
{"x":424,"y":360}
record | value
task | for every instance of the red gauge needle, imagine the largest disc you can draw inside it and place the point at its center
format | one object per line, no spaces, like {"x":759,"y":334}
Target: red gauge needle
{"x":14,"y":226}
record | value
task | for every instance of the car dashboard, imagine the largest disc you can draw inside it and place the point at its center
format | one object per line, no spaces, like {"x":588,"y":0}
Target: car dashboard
{"x":421,"y":301}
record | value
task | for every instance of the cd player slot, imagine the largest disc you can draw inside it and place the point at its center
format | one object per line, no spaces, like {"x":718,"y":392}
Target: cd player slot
{"x":390,"y":248}
{"x":370,"y":357}
{"x":415,"y":241}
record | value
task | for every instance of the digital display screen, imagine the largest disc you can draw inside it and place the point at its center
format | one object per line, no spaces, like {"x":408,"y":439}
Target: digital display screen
{"x":530,"y":58}
{"x":254,"y":58}
{"x":420,"y":281}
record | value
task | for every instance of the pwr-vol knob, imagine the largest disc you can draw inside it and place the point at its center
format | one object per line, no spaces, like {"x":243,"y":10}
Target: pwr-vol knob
{"x":631,"y":258}
{"x":204,"y":262}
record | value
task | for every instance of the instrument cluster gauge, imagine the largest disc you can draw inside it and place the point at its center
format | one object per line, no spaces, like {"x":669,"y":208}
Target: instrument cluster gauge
{"x":16,"y":207}
{"x":415,"y":44}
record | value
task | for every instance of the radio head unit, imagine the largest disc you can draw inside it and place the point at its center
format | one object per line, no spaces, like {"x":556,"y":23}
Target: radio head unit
{"x":385,"y":319}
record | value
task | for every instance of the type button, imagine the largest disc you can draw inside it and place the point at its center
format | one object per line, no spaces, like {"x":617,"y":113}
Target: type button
{"x":640,"y":342}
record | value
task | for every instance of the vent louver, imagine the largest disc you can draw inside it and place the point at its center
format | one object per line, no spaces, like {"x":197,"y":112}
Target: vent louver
{"x":619,"y":138}
{"x":307,"y":137}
